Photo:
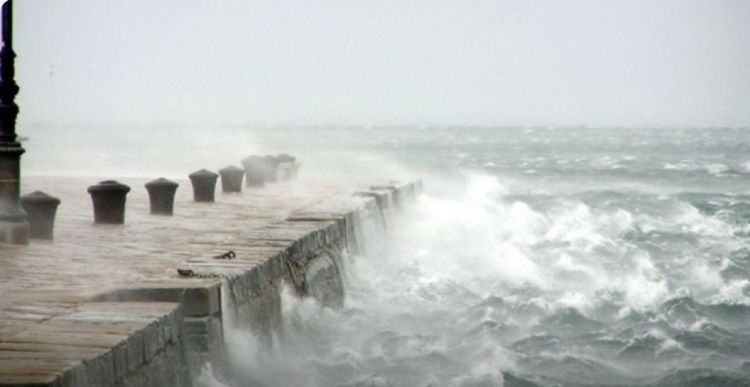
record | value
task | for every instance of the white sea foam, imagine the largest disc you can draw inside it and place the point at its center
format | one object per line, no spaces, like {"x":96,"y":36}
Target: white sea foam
{"x":482,"y":280}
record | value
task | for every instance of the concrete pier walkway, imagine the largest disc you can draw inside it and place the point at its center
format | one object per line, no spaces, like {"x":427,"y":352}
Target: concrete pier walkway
{"x":103,"y":305}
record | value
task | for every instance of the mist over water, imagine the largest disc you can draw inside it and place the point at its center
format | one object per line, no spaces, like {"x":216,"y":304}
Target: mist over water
{"x":537,"y":257}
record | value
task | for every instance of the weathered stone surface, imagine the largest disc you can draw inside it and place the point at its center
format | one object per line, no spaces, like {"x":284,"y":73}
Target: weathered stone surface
{"x":30,"y":381}
{"x":104,"y":305}
{"x":198,"y":298}
{"x":93,"y":344}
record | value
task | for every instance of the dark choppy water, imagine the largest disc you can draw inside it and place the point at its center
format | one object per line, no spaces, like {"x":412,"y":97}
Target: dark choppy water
{"x":537,"y":257}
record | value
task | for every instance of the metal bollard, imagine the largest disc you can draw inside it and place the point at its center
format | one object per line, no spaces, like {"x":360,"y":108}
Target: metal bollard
{"x":41,"y":209}
{"x":161,"y":196}
{"x":286,"y":169}
{"x":204,"y":185}
{"x":231,"y":178}
{"x":109,"y":201}
{"x":285,"y":157}
{"x":255,"y":171}
{"x":272,"y":167}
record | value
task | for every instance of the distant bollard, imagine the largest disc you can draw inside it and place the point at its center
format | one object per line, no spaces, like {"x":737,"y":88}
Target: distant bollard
{"x":272,"y":167}
{"x":285,"y":157}
{"x":204,"y":185}
{"x":255,"y":171}
{"x":161,"y":196}
{"x":231,"y":179}
{"x":109,"y":201}
{"x":41,"y":209}
{"x":286,"y":169}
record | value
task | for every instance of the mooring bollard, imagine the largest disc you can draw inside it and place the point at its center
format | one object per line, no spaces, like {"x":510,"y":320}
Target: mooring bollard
{"x":204,"y":185}
{"x":231,"y":179}
{"x":41,"y":209}
{"x":255,"y":171}
{"x":109,"y":201}
{"x":285,"y":157}
{"x":286,"y":168}
{"x":272,"y":167}
{"x":161,"y":196}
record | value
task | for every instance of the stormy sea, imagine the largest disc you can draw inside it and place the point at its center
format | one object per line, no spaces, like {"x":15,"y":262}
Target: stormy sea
{"x":535,"y":257}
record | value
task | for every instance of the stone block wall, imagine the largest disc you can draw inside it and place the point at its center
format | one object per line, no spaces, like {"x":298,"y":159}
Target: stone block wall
{"x":160,"y":334}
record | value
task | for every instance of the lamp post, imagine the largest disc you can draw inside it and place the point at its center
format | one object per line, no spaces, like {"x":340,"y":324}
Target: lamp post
{"x":14,"y":227}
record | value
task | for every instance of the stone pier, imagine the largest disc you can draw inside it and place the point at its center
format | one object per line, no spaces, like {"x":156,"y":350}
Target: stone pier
{"x":104,"y":305}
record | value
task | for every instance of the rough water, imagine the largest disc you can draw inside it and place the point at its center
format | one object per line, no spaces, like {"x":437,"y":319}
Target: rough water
{"x":536,"y":257}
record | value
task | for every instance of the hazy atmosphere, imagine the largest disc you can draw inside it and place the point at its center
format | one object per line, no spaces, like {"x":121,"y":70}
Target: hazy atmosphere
{"x":437,"y":193}
{"x":437,"y":62}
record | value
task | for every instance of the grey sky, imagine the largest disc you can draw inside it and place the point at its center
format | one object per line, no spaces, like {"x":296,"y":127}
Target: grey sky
{"x":316,"y":62}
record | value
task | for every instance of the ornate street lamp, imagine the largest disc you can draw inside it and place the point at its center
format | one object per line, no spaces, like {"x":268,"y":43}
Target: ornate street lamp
{"x":14,"y":227}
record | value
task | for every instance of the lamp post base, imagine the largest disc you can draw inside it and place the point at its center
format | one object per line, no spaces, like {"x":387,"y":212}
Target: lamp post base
{"x":15,"y":233}
{"x":14,"y":225}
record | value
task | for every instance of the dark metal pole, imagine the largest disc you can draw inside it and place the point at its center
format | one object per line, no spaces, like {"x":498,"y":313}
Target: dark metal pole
{"x":14,"y":227}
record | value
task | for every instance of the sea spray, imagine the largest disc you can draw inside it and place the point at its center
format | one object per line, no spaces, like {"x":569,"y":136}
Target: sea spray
{"x":486,"y":286}
{"x":586,"y":259}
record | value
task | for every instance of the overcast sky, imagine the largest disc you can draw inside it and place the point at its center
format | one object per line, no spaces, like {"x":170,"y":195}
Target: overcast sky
{"x":316,"y":62}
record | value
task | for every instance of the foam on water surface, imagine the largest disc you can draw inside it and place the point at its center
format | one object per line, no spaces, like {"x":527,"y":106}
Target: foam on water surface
{"x":623,"y":261}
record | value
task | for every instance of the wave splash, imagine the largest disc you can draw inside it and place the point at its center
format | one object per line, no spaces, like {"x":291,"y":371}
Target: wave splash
{"x":493,"y":288}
